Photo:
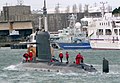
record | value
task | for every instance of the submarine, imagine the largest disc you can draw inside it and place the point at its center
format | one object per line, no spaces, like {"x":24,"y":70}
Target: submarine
{"x":42,"y":54}
{"x":42,"y":60}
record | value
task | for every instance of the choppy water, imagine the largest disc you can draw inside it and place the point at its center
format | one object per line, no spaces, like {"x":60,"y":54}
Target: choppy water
{"x":10,"y":58}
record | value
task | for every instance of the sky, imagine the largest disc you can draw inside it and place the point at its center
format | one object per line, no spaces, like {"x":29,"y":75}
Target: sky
{"x":38,"y":4}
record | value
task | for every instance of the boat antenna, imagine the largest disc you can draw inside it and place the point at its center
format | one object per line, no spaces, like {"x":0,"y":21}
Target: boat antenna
{"x":72,"y":19}
{"x":103,"y":8}
{"x":6,"y":4}
{"x":57,"y":10}
{"x":20,"y":2}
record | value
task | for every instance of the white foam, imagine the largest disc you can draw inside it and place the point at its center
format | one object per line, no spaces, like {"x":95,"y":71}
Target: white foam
{"x":25,"y":75}
{"x":3,"y":75}
{"x":11,"y":67}
{"x":68,"y":74}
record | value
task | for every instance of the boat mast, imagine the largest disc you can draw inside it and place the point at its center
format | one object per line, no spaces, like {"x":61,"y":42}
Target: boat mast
{"x":103,"y":8}
{"x":40,"y":23}
{"x":45,"y":16}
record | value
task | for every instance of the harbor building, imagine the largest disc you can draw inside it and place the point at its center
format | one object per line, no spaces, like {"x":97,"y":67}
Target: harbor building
{"x":15,"y":19}
{"x":16,"y":13}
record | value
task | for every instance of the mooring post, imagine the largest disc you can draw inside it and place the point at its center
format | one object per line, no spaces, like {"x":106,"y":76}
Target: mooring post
{"x":105,"y":66}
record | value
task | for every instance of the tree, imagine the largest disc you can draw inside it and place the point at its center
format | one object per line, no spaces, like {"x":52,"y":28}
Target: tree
{"x":67,"y":9}
{"x":74,"y":9}
{"x":116,"y":11}
{"x":109,"y":8}
{"x":57,"y":10}
{"x":119,"y":10}
{"x":80,"y":7}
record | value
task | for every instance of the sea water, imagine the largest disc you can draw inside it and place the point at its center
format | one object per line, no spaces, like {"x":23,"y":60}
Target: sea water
{"x":10,"y":58}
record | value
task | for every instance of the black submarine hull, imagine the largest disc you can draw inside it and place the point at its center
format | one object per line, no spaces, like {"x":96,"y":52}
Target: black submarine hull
{"x":59,"y":67}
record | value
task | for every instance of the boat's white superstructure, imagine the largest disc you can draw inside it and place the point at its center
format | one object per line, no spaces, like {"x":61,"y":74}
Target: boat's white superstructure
{"x":13,"y":32}
{"x":104,"y":32}
{"x":72,"y":37}
{"x":71,"y":34}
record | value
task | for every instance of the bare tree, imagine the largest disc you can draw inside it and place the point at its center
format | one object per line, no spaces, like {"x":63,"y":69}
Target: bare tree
{"x":57,"y":8}
{"x":86,"y":10}
{"x":67,"y":9}
{"x":80,"y":7}
{"x":74,"y":8}
{"x":109,"y":8}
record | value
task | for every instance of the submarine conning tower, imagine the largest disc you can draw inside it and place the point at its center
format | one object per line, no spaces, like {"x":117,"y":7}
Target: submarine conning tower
{"x":43,"y":40}
{"x":43,"y":46}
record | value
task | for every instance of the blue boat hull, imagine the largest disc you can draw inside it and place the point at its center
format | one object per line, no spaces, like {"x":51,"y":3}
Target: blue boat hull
{"x":74,"y":45}
{"x":14,"y":37}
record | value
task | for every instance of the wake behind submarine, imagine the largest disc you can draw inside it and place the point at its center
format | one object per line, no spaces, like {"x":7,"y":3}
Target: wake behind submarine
{"x":42,"y":60}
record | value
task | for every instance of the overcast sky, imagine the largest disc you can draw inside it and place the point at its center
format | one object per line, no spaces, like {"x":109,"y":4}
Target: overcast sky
{"x":38,"y":4}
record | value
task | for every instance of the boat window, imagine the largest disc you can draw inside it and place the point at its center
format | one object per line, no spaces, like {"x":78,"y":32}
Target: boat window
{"x":102,"y":23}
{"x":113,"y":24}
{"x":35,"y":37}
{"x":100,"y":32}
{"x":108,"y":32}
{"x":84,"y":23}
{"x":66,"y":31}
{"x":119,"y":31}
{"x":60,"y":31}
{"x":117,"y":21}
{"x":116,"y":31}
{"x":108,"y":23}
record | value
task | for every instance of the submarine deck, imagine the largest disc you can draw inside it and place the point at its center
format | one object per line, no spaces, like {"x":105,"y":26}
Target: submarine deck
{"x":58,"y":67}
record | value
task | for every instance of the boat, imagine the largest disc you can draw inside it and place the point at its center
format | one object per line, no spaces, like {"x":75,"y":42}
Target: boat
{"x":72,"y":37}
{"x":104,"y":32}
{"x":14,"y":35}
{"x":31,"y":40}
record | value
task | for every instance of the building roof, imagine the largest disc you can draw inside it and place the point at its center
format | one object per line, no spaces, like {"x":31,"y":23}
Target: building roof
{"x":16,"y":25}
